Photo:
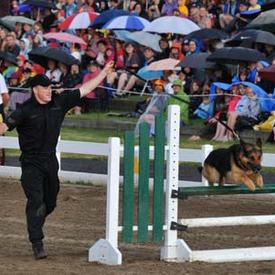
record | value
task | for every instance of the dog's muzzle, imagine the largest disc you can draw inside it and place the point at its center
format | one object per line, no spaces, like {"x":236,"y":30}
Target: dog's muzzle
{"x":255,"y":168}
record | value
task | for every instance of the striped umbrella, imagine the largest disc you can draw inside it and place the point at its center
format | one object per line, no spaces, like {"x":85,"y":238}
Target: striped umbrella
{"x":80,"y":20}
{"x":126,"y":22}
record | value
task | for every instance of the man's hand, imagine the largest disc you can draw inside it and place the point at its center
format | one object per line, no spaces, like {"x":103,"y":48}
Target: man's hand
{"x":93,"y":83}
{"x":108,"y":67}
{"x":3,"y":128}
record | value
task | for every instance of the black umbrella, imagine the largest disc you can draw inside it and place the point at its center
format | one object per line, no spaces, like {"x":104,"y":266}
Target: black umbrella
{"x":39,"y":3}
{"x":211,"y":34}
{"x":197,"y":61}
{"x":7,"y":25}
{"x":8,"y":57}
{"x":265,"y":21}
{"x":237,"y":55}
{"x":42,"y":55}
{"x":256,"y":36}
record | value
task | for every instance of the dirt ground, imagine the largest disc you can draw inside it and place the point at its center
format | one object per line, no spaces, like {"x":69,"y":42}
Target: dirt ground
{"x":79,"y":221}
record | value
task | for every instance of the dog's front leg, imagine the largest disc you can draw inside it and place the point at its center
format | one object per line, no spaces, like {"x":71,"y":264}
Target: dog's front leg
{"x":259,"y":180}
{"x":248,"y":182}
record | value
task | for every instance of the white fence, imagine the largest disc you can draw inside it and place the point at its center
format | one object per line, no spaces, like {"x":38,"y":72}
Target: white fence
{"x":102,"y":149}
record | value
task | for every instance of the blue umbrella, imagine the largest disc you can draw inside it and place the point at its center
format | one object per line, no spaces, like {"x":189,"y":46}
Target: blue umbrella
{"x":39,"y":3}
{"x":266,"y":103}
{"x":24,"y":8}
{"x":123,"y":35}
{"x":108,"y":15}
{"x":126,"y":22}
{"x":149,"y":75}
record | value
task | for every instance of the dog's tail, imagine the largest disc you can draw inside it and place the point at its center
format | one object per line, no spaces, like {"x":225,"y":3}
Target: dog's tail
{"x":200,"y":169}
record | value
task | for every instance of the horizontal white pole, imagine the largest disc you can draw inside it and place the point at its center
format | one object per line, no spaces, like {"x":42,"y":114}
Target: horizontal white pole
{"x":135,"y":228}
{"x":228,"y":221}
{"x":234,"y":255}
{"x":101,"y":149}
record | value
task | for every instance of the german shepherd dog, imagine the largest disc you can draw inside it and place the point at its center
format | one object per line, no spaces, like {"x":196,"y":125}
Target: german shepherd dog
{"x":240,"y":163}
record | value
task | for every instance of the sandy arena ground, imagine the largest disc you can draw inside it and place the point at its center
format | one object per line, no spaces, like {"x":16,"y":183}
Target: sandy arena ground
{"x":79,"y":221}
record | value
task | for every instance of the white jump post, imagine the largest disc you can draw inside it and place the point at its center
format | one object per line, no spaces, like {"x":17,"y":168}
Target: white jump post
{"x":170,"y":250}
{"x":106,"y":250}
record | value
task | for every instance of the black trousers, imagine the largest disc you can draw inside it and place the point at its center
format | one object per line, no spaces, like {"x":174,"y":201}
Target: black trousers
{"x":41,"y":186}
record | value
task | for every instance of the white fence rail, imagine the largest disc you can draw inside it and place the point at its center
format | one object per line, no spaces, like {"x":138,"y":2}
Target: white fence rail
{"x":101,"y":149}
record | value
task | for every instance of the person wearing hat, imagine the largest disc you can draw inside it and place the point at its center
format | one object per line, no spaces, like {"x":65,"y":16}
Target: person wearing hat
{"x":157,"y":104}
{"x":38,"y":122}
{"x":181,"y":95}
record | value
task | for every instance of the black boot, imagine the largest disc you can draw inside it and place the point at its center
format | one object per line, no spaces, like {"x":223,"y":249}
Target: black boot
{"x":38,"y":251}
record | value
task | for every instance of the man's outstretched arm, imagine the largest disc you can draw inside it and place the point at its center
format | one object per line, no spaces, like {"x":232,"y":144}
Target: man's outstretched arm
{"x":93,"y":83}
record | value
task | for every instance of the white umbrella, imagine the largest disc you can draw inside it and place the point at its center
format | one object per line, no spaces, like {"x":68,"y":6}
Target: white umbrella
{"x":172,"y":24}
{"x":146,"y":39}
{"x":18,"y":19}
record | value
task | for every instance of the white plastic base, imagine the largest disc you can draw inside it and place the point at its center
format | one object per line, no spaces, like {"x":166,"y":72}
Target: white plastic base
{"x":104,"y":252}
{"x":179,"y":253}
{"x":182,"y":253}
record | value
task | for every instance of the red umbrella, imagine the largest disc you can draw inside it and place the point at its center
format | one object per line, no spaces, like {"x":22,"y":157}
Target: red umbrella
{"x":268,"y":73}
{"x":65,"y":37}
{"x":80,"y":20}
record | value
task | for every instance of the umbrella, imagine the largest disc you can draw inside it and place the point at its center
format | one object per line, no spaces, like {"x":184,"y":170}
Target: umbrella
{"x":24,"y":8}
{"x":256,"y":36}
{"x":122,"y":36}
{"x":237,"y":55}
{"x":11,"y":58}
{"x":250,"y":14}
{"x":18,"y":19}
{"x":65,"y":37}
{"x":41,"y":56}
{"x":149,"y":75}
{"x":172,"y":24}
{"x":268,"y":73}
{"x":265,"y":21}
{"x":266,"y":103}
{"x":80,"y":20}
{"x":39,"y":3}
{"x":7,"y":25}
{"x":106,"y":16}
{"x":126,"y":22}
{"x":211,"y":34}
{"x":268,"y":5}
{"x":146,"y":39}
{"x":197,"y":61}
{"x":166,"y":64}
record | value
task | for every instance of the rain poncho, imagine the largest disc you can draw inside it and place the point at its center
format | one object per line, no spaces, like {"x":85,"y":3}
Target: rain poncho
{"x":183,"y":106}
{"x":155,"y":107}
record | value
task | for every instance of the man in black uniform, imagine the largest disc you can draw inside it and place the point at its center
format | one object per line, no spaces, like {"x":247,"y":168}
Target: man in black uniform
{"x":38,"y":122}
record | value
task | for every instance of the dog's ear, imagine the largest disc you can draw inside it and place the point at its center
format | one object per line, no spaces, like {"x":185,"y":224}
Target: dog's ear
{"x":259,"y":142}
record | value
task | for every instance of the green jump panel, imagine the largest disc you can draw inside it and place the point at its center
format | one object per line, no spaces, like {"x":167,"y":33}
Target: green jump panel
{"x":185,"y":192}
{"x":159,"y":164}
{"x":143,"y":182}
{"x":128,"y":187}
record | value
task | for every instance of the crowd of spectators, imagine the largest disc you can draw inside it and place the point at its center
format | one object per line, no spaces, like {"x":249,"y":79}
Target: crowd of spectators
{"x":239,"y":111}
